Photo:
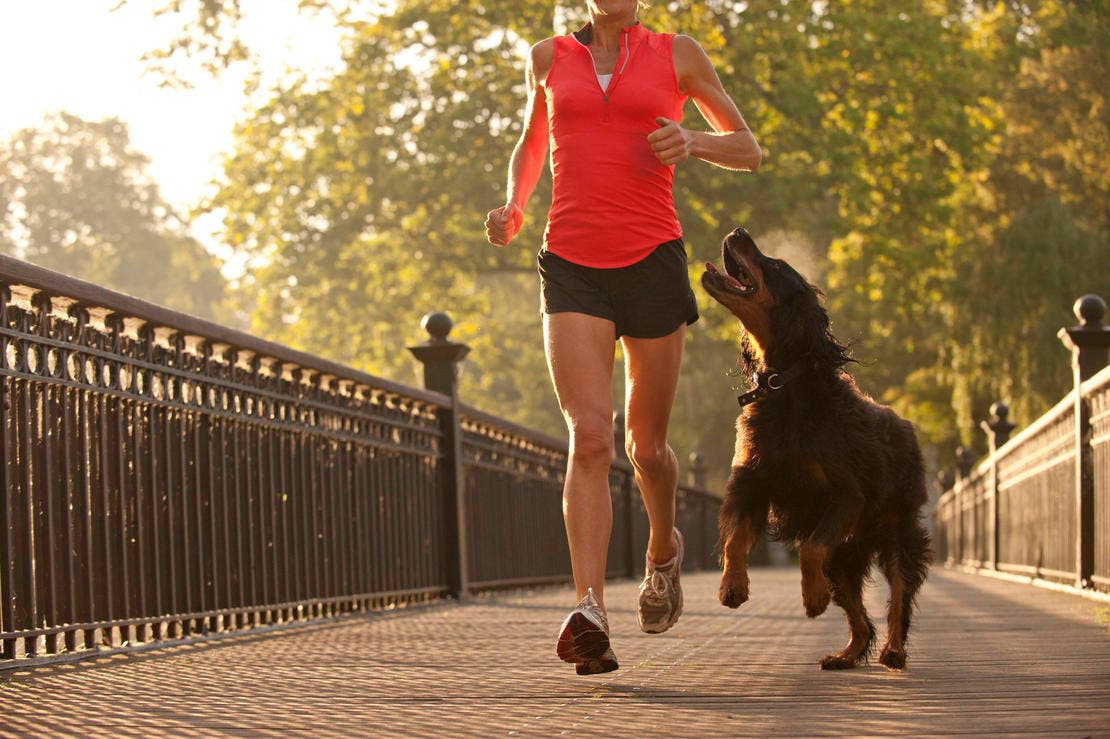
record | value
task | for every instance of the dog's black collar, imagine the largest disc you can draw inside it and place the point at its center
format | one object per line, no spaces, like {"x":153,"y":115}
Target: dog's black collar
{"x":769,"y":381}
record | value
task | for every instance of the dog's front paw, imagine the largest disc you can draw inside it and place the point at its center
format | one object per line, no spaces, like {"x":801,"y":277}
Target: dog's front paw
{"x":815,"y":595}
{"x":733,"y":593}
{"x":816,"y":601}
{"x":893,"y":659}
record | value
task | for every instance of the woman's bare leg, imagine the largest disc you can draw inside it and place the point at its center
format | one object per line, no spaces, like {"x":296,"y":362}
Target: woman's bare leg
{"x":580,"y":357}
{"x":651,"y":373}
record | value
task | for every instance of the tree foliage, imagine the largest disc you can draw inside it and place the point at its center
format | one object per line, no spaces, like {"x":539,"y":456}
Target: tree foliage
{"x":76,"y":198}
{"x":939,"y":167}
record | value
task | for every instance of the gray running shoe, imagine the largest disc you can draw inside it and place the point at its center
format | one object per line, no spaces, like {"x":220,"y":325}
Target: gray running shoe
{"x":605,"y":663}
{"x":660,"y":602}
{"x":584,"y":638}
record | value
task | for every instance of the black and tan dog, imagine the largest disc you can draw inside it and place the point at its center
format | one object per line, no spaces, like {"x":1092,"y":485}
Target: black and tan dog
{"x":835,"y":474}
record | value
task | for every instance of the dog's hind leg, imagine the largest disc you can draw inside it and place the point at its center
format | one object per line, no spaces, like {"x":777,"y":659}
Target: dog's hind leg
{"x":847,"y":570}
{"x":742,"y":521}
{"x":905,"y":563}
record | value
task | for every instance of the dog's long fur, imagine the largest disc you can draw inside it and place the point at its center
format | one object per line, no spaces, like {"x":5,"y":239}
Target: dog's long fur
{"x":835,"y":474}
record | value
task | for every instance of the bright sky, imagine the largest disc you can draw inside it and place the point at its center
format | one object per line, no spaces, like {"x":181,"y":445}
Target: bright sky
{"x":78,"y":56}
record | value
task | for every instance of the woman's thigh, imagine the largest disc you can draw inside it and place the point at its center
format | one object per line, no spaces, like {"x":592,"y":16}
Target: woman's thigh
{"x":651,"y":379}
{"x":580,"y":357}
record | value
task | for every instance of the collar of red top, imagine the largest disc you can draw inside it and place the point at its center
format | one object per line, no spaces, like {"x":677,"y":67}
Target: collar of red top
{"x":585,"y":34}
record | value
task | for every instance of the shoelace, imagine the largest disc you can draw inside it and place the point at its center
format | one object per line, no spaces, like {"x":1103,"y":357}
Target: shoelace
{"x":590,"y":603}
{"x":659,"y":585}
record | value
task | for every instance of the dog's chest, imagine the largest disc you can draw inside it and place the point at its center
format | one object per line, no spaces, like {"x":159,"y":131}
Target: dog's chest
{"x":787,"y":465}
{"x":761,"y":440}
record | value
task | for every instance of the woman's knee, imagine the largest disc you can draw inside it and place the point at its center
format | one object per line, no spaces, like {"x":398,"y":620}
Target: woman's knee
{"x":648,"y":455}
{"x":591,"y":441}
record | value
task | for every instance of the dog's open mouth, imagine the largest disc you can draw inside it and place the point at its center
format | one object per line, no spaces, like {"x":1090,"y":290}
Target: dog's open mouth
{"x":742,"y":283}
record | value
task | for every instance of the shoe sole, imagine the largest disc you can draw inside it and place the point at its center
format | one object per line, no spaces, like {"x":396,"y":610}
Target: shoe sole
{"x":597,"y":666}
{"x":581,"y":640}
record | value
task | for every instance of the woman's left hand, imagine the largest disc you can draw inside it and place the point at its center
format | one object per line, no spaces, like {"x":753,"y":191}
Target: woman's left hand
{"x":670,"y":142}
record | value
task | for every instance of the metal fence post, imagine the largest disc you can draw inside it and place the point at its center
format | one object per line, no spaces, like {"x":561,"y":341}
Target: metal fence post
{"x":440,"y":358}
{"x":942,"y":517}
{"x":630,"y":493}
{"x":964,"y":462}
{"x":695,"y":478}
{"x":1089,"y":343}
{"x":997,"y":429}
{"x":695,"y":472}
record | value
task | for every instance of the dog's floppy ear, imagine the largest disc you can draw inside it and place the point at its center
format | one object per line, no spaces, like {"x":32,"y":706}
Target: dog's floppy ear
{"x":800,"y":323}
{"x":798,"y":305}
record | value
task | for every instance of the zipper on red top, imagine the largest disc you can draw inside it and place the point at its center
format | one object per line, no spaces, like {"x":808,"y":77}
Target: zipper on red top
{"x":622,"y":63}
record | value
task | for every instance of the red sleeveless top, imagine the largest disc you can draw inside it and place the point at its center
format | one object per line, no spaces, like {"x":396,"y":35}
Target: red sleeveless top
{"x":611,"y":202}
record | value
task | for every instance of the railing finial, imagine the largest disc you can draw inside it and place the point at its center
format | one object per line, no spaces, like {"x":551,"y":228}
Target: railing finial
{"x":696,"y":471}
{"x":964,"y":462}
{"x":1089,"y":342}
{"x":998,"y":426}
{"x":438,"y":325}
{"x":439,"y":356}
{"x":1090,"y":310}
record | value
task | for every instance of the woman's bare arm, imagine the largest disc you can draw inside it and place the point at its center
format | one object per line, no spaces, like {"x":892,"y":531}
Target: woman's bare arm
{"x":530,"y":152}
{"x":731,"y":143}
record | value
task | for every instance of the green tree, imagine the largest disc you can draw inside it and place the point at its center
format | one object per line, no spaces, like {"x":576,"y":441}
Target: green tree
{"x":1047,"y":224}
{"x":359,"y":204}
{"x":76,"y":198}
{"x":906,"y":165}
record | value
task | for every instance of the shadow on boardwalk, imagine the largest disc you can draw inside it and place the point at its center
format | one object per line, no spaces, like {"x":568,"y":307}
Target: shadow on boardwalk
{"x":986,"y":657}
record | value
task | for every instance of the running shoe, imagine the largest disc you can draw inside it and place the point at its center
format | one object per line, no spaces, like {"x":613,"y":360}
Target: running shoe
{"x":584,"y":638}
{"x":660,"y":601}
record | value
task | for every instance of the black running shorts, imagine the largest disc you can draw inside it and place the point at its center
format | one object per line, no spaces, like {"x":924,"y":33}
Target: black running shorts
{"x":645,"y":300}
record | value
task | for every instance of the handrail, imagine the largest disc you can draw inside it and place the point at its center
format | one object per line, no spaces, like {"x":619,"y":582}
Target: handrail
{"x":56,"y":284}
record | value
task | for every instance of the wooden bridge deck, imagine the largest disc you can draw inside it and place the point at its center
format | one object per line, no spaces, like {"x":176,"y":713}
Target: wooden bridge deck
{"x":987,"y":657}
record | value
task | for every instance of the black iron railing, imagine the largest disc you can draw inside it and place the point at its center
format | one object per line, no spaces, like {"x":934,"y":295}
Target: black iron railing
{"x":165,"y":478}
{"x":518,"y":477}
{"x":1039,"y":504}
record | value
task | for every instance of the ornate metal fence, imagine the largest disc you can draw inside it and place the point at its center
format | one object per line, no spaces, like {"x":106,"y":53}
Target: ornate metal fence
{"x":1097,"y":391}
{"x":1039,"y":504}
{"x":514,"y":514}
{"x":165,"y":478}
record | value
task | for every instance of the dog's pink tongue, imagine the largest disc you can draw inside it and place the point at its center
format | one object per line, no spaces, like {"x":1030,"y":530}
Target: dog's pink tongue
{"x":709,"y":266}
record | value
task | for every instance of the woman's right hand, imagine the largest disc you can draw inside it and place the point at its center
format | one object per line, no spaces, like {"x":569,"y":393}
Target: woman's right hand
{"x":503,"y":223}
